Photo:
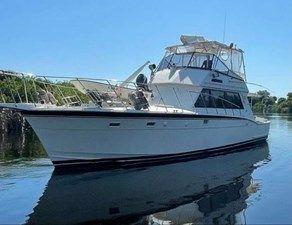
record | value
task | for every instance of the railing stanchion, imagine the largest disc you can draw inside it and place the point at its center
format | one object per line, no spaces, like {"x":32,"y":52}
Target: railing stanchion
{"x":114,"y":89}
{"x":35,"y":88}
{"x":81,"y":84}
{"x":11,"y":80}
{"x":2,"y":95}
{"x":80,"y":100}
{"x":25,"y":90}
{"x":63,"y":99}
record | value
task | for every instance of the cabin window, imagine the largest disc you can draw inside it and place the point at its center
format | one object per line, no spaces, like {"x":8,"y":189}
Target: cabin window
{"x":209,"y":99}
{"x":219,"y":99}
{"x":200,"y":102}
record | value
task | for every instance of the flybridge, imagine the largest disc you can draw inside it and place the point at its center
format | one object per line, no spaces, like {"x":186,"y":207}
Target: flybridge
{"x":197,"y":47}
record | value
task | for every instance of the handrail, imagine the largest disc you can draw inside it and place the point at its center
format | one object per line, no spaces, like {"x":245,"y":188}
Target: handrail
{"x":108,"y":81}
{"x":43,"y":80}
{"x":59,"y":91}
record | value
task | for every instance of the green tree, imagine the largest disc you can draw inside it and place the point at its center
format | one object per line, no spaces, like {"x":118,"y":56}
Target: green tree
{"x":289,"y":102}
{"x":280,"y":100}
{"x":259,"y":107}
{"x":265,"y":103}
{"x":263,"y":94}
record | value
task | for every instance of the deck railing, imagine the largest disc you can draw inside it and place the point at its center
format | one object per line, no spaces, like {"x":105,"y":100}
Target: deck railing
{"x":21,"y":88}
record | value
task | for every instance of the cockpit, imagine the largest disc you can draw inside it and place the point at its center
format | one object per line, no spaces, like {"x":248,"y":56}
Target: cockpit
{"x":196,"y":52}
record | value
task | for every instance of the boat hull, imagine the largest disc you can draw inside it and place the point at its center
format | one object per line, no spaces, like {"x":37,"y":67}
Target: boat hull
{"x":90,"y":138}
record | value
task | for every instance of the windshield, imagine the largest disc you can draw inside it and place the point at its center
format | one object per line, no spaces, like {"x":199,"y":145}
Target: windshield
{"x":183,"y":60}
{"x":192,"y":60}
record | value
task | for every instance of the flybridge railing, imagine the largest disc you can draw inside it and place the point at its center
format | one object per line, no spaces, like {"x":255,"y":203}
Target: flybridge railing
{"x":51,"y":90}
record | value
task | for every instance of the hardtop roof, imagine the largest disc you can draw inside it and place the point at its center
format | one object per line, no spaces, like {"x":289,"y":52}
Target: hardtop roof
{"x":200,"y":44}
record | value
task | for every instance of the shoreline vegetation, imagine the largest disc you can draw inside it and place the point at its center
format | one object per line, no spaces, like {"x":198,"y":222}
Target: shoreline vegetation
{"x":13,"y":90}
{"x":17,"y":138}
{"x":264,"y":103}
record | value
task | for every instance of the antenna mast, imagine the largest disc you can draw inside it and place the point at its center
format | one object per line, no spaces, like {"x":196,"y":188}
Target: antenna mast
{"x":224,"y":29}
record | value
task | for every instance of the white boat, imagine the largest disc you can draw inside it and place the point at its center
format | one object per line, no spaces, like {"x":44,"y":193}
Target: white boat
{"x":194,"y":104}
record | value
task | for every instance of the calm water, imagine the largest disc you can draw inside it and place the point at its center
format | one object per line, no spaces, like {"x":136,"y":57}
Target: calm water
{"x":250,"y":187}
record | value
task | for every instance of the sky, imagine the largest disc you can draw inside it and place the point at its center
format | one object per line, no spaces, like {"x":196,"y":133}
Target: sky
{"x":112,"y":38}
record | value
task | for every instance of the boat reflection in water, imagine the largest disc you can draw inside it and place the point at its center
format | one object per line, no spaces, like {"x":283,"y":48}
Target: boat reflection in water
{"x":206,"y":191}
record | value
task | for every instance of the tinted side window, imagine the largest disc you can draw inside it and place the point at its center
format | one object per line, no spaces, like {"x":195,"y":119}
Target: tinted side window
{"x":200,"y":102}
{"x":219,"y":99}
{"x":206,"y":99}
{"x":238,"y":101}
{"x":229,"y":97}
{"x":233,"y":100}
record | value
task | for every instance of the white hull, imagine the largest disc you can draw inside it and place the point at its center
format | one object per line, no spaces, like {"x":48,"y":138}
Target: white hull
{"x":68,"y":138}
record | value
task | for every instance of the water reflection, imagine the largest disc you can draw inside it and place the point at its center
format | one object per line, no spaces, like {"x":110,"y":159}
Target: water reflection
{"x":206,"y":191}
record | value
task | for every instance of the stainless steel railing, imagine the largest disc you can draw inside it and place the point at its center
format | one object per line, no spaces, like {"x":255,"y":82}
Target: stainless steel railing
{"x":18,"y":87}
